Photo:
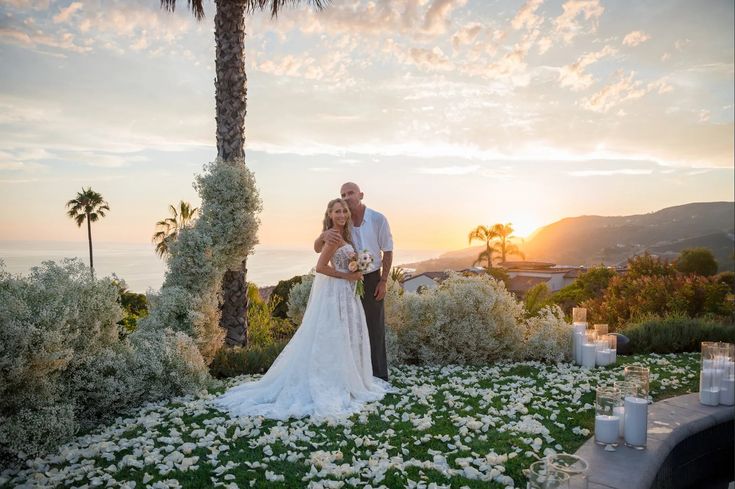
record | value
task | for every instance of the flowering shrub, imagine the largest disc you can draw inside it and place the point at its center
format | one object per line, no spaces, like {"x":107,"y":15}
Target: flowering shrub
{"x":222,"y":237}
{"x":658,"y":289}
{"x":466,"y":320}
{"x":63,"y":366}
{"x":548,"y":336}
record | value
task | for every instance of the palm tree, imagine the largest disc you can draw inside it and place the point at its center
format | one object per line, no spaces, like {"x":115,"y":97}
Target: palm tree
{"x":398,"y":274}
{"x":168,"y":229}
{"x":486,"y":234}
{"x":504,"y":235}
{"x":87,"y":206}
{"x":230,"y":85}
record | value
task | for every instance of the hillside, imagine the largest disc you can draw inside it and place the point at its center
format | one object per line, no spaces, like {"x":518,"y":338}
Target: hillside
{"x":591,"y":240}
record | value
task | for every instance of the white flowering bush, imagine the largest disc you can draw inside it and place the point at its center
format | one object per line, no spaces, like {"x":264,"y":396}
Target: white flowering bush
{"x":466,"y":320}
{"x":63,"y":366}
{"x":221,"y":238}
{"x":298,"y":298}
{"x":548,"y":336}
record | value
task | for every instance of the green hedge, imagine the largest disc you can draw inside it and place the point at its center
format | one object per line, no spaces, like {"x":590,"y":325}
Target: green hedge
{"x":230,"y":362}
{"x":676,"y":334}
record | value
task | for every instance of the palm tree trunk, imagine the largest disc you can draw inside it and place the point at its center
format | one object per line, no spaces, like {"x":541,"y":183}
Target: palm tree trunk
{"x":489,"y":251}
{"x":231,"y":104}
{"x":89,"y":238}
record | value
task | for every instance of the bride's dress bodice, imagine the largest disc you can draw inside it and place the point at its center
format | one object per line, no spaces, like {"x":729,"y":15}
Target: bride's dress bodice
{"x":341,"y":257}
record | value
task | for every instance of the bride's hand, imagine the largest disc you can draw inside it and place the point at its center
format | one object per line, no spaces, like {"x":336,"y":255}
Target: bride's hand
{"x":353,"y":276}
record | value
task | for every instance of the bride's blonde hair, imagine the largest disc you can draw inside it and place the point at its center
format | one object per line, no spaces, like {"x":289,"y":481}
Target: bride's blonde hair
{"x":347,"y":230}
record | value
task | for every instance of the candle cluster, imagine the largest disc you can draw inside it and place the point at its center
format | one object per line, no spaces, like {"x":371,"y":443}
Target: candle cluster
{"x":621,"y":411}
{"x":717,"y":374}
{"x":592,"y":347}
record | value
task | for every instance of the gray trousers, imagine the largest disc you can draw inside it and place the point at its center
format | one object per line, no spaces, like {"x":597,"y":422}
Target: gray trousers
{"x":375,"y":316}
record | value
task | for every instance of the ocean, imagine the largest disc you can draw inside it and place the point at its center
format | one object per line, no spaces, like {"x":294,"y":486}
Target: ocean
{"x":141,"y":268}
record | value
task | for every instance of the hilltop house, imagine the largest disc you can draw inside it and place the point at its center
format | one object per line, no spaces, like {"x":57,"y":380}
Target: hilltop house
{"x":522,"y":274}
{"x":526,"y":274}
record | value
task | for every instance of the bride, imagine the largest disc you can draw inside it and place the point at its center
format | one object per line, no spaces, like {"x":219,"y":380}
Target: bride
{"x":325,"y":370}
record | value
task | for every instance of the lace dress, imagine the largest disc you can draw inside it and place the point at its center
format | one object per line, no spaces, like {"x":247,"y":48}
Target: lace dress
{"x":325,"y":370}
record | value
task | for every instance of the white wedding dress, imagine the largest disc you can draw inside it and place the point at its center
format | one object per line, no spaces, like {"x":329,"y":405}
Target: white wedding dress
{"x":325,"y":370}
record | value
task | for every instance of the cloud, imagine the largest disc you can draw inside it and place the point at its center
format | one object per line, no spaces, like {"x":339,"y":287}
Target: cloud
{"x":38,"y":5}
{"x":116,"y":26}
{"x":568,"y":27}
{"x":35,"y":39}
{"x":436,"y":20}
{"x":624,"y":88}
{"x":526,"y":15}
{"x":450,"y":170}
{"x":65,"y":13}
{"x":430,"y":58}
{"x":607,"y":173}
{"x":466,"y":35}
{"x":660,"y":86}
{"x":704,"y":115}
{"x":635,"y":38}
{"x":416,"y":19}
{"x":574,"y":76}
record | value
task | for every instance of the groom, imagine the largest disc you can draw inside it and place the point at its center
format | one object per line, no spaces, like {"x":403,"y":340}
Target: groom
{"x":371,"y":232}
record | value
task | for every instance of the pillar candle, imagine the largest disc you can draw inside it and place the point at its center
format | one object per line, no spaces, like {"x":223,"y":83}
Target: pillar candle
{"x":636,"y":422}
{"x":606,"y":429}
{"x":602,"y":357}
{"x":589,"y":352}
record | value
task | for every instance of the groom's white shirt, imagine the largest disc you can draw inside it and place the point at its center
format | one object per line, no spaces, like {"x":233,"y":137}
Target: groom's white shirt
{"x":373,"y":235}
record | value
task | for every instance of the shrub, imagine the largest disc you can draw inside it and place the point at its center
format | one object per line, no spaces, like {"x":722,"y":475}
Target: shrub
{"x":233,"y":361}
{"x":298,"y":298}
{"x":590,"y":285}
{"x":221,"y":238}
{"x":652,"y":287}
{"x":281,"y":292}
{"x":134,"y":306}
{"x":63,"y":365}
{"x":727,"y":278}
{"x":547,"y":337}
{"x":676,"y":334}
{"x":466,"y":320}
{"x":263,"y":327}
{"x":699,"y":261}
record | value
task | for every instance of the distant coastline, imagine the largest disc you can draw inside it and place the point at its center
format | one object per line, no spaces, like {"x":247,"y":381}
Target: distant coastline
{"x":141,"y":269}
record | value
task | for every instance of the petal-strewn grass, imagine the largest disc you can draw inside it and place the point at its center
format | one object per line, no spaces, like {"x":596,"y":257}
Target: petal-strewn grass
{"x":447,"y":426}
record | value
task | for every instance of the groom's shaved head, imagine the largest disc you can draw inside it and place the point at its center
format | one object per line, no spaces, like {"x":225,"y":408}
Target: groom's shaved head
{"x":351,"y":185}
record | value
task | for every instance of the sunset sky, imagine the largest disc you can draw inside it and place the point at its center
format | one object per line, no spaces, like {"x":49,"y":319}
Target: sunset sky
{"x":448,"y":113}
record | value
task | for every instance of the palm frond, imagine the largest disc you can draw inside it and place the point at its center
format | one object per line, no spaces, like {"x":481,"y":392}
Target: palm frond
{"x":196,"y":7}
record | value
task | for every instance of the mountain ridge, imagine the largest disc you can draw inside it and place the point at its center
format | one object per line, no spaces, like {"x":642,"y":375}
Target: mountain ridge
{"x":610,"y":240}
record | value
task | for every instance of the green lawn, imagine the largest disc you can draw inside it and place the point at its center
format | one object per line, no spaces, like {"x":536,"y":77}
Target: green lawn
{"x":448,"y":426}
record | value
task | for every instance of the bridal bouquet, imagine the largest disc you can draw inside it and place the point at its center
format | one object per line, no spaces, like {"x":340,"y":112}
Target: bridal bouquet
{"x":360,"y":262}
